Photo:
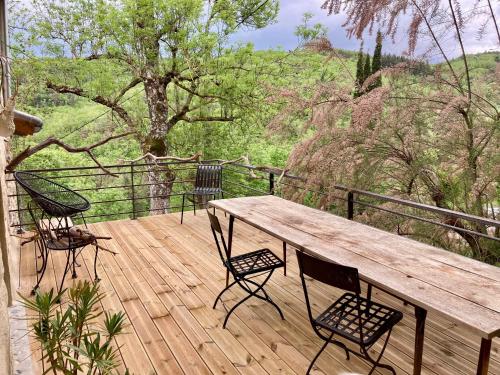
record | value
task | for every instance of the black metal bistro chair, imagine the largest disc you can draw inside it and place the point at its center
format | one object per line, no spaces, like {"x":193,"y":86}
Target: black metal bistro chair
{"x":244,"y":268}
{"x":208,"y":183}
{"x":52,"y":207}
{"x":350,"y":317}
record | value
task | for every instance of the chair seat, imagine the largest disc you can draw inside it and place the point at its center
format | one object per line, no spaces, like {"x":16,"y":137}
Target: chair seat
{"x":205,"y":191}
{"x":254,"y":262}
{"x":342,"y":318}
{"x":63,"y":244}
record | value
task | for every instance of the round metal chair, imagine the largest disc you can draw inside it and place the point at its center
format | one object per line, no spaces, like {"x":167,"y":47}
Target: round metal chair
{"x":54,"y":205}
{"x":55,"y":199}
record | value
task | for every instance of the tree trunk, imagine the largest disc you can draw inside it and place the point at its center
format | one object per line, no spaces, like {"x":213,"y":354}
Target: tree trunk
{"x":160,"y":179}
{"x":160,"y":188}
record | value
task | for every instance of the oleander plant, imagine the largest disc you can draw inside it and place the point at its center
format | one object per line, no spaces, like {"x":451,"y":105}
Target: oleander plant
{"x":76,"y":336}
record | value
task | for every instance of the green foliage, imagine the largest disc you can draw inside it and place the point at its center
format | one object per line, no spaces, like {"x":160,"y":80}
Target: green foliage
{"x":377,"y":61}
{"x":71,"y":339}
{"x":306,"y":32}
{"x":419,"y":68}
{"x":176,"y":53}
{"x":367,"y":68}
{"x":359,"y":72}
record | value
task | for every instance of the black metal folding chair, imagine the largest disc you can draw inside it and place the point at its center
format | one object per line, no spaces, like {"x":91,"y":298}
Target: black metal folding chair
{"x":351,"y":317}
{"x":245,"y":268}
{"x":208,"y":183}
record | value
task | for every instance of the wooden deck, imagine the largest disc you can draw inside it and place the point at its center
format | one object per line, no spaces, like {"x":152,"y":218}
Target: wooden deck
{"x":166,"y":277}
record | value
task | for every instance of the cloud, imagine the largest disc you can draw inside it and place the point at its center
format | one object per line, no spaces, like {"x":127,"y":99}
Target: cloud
{"x":281,"y":34}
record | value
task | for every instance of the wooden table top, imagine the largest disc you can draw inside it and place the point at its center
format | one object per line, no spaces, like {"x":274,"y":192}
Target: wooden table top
{"x":465,"y":290}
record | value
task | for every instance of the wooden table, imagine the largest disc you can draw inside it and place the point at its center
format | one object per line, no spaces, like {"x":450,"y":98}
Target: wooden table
{"x":431,"y":279}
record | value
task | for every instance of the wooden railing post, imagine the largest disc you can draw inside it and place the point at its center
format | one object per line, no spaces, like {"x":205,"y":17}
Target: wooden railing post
{"x":271,"y":183}
{"x":133,"y":190}
{"x":350,"y":205}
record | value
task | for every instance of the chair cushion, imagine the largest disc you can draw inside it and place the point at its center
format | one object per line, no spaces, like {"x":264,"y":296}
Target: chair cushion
{"x":254,"y":262}
{"x":342,"y":318}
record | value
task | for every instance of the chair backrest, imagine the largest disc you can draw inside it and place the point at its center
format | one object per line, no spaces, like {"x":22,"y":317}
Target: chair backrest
{"x":334,"y":274}
{"x":55,"y":199}
{"x":208,"y":176}
{"x":330,"y":273}
{"x":217,"y":232}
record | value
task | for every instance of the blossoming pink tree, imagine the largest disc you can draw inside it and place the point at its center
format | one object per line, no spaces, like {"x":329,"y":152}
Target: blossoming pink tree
{"x":432,"y":139}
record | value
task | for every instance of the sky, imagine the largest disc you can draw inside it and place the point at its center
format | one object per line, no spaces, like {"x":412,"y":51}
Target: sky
{"x":281,"y":33}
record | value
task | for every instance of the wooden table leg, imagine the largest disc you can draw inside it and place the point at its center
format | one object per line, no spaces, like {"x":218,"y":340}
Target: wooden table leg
{"x":421,"y":315}
{"x":484,"y":357}
{"x":229,"y":243}
{"x":284,"y":257}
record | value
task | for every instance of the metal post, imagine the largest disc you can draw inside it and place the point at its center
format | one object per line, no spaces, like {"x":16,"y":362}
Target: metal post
{"x":20,"y":229}
{"x":350,"y":205}
{"x":271,"y":183}
{"x":133,"y":190}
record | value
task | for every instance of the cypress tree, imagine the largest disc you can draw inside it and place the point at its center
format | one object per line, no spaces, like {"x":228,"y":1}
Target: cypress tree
{"x":367,"y":69}
{"x":377,"y":61}
{"x":359,"y":72}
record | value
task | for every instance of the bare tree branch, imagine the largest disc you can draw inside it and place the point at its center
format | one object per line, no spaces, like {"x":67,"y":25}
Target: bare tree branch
{"x":130,"y":86}
{"x":112,"y":104}
{"x":494,"y":20}
{"x":149,"y":156}
{"x":29,"y":151}
{"x":464,"y":56}
{"x":436,"y":40}
{"x":245,"y":160}
{"x":209,"y":118}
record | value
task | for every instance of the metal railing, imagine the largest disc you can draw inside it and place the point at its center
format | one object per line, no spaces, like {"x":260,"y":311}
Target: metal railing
{"x":471,"y":235}
{"x":128,"y":195}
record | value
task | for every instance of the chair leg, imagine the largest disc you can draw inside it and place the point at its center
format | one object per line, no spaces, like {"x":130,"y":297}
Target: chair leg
{"x":96,"y":278}
{"x":66,"y":269}
{"x":39,"y":276}
{"x":318,"y":354}
{"x":194,"y":204}
{"x":376,"y":363}
{"x":222,"y":292}
{"x":266,"y":297}
{"x":182,"y":209}
{"x":253,"y":294}
{"x":73,"y":265}
{"x":39,"y":247}
{"x":234,"y":308}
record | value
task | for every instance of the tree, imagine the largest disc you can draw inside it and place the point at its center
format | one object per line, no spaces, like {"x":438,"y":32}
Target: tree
{"x":176,"y":51}
{"x":367,"y":68}
{"x":433,"y":140}
{"x":359,"y":72}
{"x":377,"y":60}
{"x":306,"y":33}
